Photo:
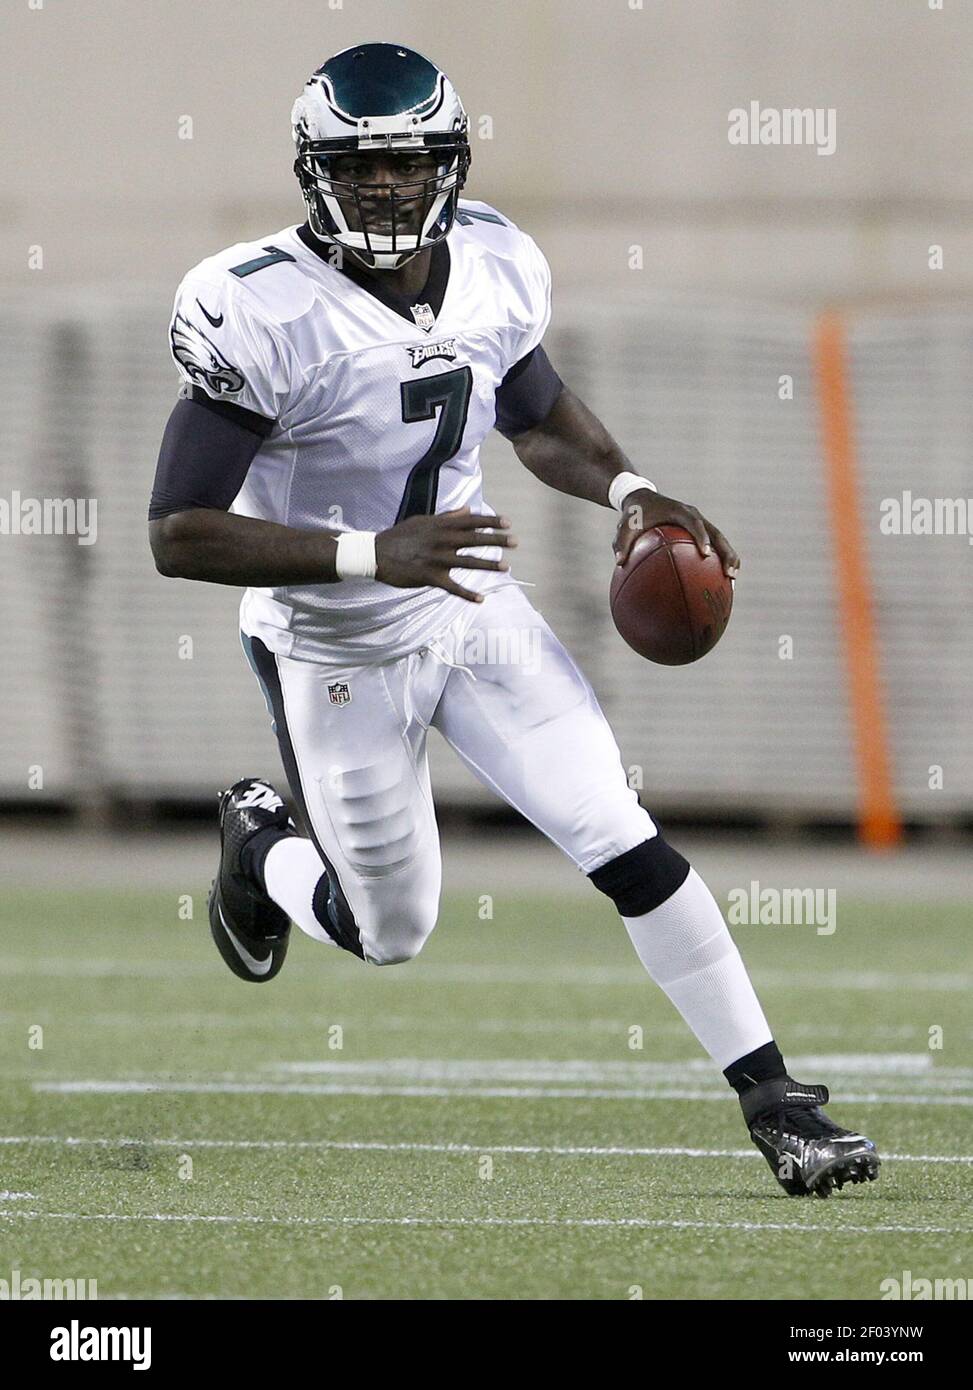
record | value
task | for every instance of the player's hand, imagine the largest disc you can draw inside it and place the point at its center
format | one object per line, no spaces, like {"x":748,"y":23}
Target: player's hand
{"x":423,"y":549}
{"x":645,"y":509}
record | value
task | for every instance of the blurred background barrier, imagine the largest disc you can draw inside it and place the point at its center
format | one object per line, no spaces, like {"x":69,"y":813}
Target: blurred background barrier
{"x":690,"y":273}
{"x":117,"y":683}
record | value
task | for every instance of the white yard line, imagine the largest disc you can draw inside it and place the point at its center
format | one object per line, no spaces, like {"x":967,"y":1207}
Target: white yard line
{"x":156,"y":1297}
{"x":87,"y":967}
{"x":638,"y":1223}
{"x":584,"y":1069}
{"x":405,"y":1146}
{"x":325,"y":1088}
{"x":431,"y":973}
{"x":421,"y":1024}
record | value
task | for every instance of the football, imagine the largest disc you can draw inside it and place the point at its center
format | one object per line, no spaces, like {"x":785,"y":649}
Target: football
{"x":670,"y":603}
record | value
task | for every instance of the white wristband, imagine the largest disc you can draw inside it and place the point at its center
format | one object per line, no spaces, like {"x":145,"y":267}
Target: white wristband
{"x":624,"y":483}
{"x":355,"y":557}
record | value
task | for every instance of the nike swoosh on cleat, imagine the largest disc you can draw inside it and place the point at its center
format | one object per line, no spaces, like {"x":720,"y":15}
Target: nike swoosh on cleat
{"x":217,"y":323}
{"x":257,"y":967}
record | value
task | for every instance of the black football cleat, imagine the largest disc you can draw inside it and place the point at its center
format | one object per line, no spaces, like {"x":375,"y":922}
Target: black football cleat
{"x":807,"y":1152}
{"x":249,"y":929}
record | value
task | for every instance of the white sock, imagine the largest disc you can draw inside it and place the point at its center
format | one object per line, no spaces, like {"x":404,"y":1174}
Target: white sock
{"x":687,"y":949}
{"x":291,"y":872}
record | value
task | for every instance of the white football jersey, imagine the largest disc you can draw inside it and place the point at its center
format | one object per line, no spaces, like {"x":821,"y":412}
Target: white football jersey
{"x":376,"y":416}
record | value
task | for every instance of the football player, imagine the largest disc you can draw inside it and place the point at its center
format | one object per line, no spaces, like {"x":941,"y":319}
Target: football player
{"x":338,"y":379}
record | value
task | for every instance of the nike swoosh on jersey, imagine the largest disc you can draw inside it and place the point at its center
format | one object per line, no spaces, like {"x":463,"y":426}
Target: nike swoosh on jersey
{"x":217,"y":323}
{"x":258,"y":967}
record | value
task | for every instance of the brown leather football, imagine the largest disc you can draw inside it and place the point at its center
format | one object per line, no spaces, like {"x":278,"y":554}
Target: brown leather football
{"x":670,"y":603}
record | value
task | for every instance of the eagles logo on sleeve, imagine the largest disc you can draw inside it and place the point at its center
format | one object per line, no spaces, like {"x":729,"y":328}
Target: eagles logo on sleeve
{"x":202,"y":360}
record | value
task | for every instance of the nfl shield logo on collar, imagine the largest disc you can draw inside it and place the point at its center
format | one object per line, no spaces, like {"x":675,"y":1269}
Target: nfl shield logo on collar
{"x":339,"y":694}
{"x":424,"y":316}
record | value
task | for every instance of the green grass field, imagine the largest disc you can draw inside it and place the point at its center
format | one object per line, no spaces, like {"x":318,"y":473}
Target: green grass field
{"x":182,"y":1133}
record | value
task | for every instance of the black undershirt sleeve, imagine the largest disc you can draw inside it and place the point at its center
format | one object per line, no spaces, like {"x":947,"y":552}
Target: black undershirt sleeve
{"x":208,"y":445}
{"x":207,"y":448}
{"x":527,"y":394}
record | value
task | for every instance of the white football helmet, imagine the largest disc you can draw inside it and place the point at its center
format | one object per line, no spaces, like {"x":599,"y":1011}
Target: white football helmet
{"x":380,"y":97}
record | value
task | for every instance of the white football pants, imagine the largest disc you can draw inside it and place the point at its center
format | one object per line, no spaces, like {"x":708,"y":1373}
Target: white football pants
{"x":508,"y":697}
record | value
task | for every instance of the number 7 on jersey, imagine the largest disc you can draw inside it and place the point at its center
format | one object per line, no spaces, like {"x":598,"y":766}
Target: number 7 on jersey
{"x":449,"y":394}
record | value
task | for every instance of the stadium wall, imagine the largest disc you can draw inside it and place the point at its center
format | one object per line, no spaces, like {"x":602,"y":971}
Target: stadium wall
{"x":119,"y":684}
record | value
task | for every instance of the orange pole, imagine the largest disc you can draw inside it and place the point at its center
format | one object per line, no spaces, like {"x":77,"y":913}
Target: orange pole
{"x":879,"y":822}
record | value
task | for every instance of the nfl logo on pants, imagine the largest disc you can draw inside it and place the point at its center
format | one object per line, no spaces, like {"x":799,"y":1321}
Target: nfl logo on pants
{"x":339,"y":694}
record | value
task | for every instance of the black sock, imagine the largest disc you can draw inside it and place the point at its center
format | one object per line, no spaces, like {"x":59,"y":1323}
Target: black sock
{"x":255,"y":851}
{"x":764,"y":1064}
